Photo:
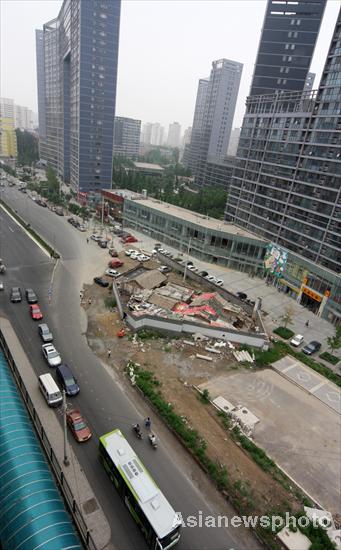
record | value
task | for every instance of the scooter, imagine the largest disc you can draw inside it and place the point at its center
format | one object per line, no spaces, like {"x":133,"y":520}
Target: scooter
{"x":152,"y":441}
{"x":137,"y":431}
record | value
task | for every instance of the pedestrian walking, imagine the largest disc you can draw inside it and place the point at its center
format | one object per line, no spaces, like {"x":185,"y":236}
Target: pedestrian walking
{"x":109,"y":353}
{"x":90,"y":301}
{"x":87,"y":240}
{"x":148,"y":423}
{"x":307,"y":324}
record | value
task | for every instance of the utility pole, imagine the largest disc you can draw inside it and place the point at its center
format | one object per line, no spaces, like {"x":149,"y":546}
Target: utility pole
{"x":188,"y":249}
{"x":66,"y":460}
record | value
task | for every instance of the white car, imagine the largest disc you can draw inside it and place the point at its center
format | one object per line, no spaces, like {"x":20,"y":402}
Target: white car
{"x":130,"y":251}
{"x":1,"y":286}
{"x":112,"y":273}
{"x":297,"y":340}
{"x":219,"y":282}
{"x":81,"y":228}
{"x":51,"y":355}
{"x":95,"y":237}
{"x":211,"y":278}
{"x":135,"y":256}
{"x":192,"y":268}
{"x":143,"y":258}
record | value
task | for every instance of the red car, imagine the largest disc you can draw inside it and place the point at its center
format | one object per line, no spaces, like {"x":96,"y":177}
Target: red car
{"x":78,"y":426}
{"x":35,"y":312}
{"x":130,"y":239}
{"x":115,"y":263}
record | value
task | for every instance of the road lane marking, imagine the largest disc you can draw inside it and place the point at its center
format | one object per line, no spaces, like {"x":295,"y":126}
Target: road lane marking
{"x":10,"y":228}
{"x":25,"y":231}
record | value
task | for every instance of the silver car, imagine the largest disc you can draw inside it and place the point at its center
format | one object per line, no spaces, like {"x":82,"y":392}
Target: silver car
{"x":51,"y":355}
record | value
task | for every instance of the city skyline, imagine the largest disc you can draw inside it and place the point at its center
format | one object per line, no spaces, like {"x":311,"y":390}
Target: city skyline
{"x":160,"y":98}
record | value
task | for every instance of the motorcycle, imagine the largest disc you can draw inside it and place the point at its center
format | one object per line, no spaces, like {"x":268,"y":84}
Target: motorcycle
{"x":137,"y":431}
{"x":152,"y":441}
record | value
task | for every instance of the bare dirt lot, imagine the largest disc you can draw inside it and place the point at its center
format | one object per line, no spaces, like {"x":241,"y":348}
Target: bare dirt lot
{"x":175,"y":365}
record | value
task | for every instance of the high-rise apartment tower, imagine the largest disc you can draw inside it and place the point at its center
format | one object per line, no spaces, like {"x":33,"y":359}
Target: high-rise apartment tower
{"x":287,"y":44}
{"x":77,"y":71}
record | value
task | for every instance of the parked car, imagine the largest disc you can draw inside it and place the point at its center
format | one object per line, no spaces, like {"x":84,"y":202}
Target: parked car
{"x":2,"y":286}
{"x":219,"y":282}
{"x":95,"y":237}
{"x":211,"y":278}
{"x":45,"y":333}
{"x":203,"y":273}
{"x":35,"y":312}
{"x":101,"y":282}
{"x":103,"y":243}
{"x":143,"y":258}
{"x":130,"y":239}
{"x":71,"y":220}
{"x":297,"y":340}
{"x":115,"y":263}
{"x":192,"y":268}
{"x":15,"y":295}
{"x":51,"y":355}
{"x":130,"y":251}
{"x":41,"y":203}
{"x":77,"y":425}
{"x":312,"y":347}
{"x":113,"y":252}
{"x":59,"y":211}
{"x":81,"y":228}
{"x":112,"y":273}
{"x":241,"y":295}
{"x":67,"y":380}
{"x":31,"y":296}
{"x":134,"y":255}
{"x":165,"y":269}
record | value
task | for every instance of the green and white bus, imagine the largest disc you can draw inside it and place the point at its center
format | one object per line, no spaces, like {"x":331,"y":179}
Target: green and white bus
{"x":151,"y":510}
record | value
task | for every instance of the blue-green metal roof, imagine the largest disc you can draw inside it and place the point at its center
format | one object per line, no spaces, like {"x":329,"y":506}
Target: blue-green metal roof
{"x":32,"y":512}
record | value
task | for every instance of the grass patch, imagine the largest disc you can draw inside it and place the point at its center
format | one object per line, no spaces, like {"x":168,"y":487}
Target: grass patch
{"x":29,"y":229}
{"x":110,"y":302}
{"x":330,"y":358}
{"x":284,"y":332}
{"x":149,"y":334}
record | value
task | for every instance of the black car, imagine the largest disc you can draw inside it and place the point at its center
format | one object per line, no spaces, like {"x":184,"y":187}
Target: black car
{"x":45,"y":333}
{"x":242,"y":295}
{"x":102,"y":243}
{"x":203,"y":273}
{"x":71,"y":220}
{"x":31,"y":296}
{"x":101,"y":282}
{"x":312,"y":347}
{"x":67,"y":380}
{"x":15,"y":294}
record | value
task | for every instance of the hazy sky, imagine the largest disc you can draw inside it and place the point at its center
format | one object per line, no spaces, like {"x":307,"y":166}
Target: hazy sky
{"x":165,"y":47}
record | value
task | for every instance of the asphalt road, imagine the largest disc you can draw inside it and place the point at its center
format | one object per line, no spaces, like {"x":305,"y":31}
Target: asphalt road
{"x":101,"y":398}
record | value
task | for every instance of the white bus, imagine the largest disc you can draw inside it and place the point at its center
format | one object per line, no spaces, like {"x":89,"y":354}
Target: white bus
{"x":151,"y":510}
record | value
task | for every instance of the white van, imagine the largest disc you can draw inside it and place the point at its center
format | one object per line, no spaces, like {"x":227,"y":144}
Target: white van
{"x":50,"y":390}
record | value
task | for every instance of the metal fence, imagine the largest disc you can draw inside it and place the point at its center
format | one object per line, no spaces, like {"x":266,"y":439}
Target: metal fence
{"x":52,"y":459}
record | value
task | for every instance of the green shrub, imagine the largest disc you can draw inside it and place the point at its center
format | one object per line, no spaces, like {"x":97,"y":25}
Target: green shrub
{"x":110,"y":302}
{"x":149,"y":334}
{"x":284,"y":332}
{"x":205,"y":396}
{"x":330,"y":358}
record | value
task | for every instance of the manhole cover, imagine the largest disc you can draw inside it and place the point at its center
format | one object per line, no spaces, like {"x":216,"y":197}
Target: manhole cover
{"x":90,"y":506}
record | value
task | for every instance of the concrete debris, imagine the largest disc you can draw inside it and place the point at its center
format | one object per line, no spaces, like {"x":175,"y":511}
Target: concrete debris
{"x":212,"y":350}
{"x":219,"y":344}
{"x":293,"y":540}
{"x":205,"y":357}
{"x":189,"y":343}
{"x":243,"y":356}
{"x":222,"y":404}
{"x":199,"y":337}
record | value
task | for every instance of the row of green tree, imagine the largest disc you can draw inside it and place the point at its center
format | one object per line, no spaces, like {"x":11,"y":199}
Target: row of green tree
{"x":27,"y":144}
{"x":209,"y":201}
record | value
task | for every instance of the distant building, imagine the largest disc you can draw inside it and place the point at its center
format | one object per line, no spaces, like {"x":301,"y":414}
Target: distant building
{"x":289,"y":35}
{"x":77,"y":71}
{"x":25,"y":119}
{"x":216,"y":173}
{"x":152,"y":133}
{"x":234,"y":140}
{"x":174,"y":134}
{"x":147,"y":168}
{"x":8,"y":139}
{"x":213,"y":116}
{"x":127,"y":137}
{"x":187,"y":136}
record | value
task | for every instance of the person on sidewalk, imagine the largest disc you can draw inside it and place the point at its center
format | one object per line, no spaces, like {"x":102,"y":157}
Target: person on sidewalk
{"x":307,"y":324}
{"x":87,"y":240}
{"x":148,"y":423}
{"x":109,"y":353}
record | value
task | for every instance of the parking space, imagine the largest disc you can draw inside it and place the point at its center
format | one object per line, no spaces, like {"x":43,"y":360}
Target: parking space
{"x":302,"y":434}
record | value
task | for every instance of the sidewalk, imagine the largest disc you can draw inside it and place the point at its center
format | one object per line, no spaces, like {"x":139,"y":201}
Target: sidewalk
{"x":83,"y":494}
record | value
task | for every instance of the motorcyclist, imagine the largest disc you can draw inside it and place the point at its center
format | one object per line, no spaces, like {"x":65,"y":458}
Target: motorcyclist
{"x":152,"y":439}
{"x":137,"y":429}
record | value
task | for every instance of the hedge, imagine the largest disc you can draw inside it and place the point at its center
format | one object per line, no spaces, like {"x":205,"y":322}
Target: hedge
{"x":284,"y":332}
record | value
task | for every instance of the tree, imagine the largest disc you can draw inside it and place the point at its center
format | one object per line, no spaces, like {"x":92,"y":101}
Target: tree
{"x":334,"y":342}
{"x":287,"y":317}
{"x":27,"y":144}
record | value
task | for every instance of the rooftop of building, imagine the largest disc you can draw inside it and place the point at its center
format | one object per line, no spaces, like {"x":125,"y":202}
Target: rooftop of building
{"x":195,"y":218}
{"x":148,"y":166}
{"x":125,"y":193}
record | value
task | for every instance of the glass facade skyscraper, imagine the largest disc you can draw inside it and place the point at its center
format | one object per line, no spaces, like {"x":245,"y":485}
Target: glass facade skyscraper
{"x":77,"y":88}
{"x":286,"y":185}
{"x":287,"y":44}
